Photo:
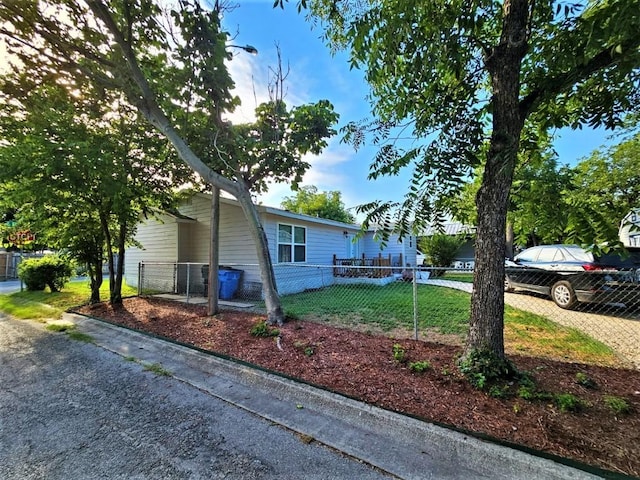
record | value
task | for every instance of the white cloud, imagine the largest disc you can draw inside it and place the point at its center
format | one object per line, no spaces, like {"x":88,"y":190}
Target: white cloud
{"x":246,"y":72}
{"x":252,"y":74}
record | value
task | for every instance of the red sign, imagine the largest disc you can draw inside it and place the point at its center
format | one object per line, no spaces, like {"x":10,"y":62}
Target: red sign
{"x":22,"y":237}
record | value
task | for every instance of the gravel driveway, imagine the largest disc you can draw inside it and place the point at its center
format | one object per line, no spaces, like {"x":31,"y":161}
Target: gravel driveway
{"x":614,"y":326}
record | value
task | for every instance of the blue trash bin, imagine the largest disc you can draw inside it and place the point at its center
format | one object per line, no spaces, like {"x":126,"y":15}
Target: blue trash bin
{"x":229,"y":280}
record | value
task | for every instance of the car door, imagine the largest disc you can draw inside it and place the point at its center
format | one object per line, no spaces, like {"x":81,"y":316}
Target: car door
{"x":518,"y":272}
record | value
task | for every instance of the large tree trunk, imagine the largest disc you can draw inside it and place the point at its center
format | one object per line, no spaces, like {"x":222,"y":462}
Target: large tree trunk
{"x":95,"y":279}
{"x":214,"y":253}
{"x":487,"y":301}
{"x":510,"y":239}
{"x":275,"y":314}
{"x":116,"y":292}
{"x":104,"y":223}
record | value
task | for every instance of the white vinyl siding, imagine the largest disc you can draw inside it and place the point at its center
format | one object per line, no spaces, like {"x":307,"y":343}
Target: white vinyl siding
{"x":236,"y":246}
{"x":159,"y":243}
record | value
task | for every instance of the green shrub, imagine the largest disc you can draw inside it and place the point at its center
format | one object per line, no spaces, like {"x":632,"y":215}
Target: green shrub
{"x":482,"y":368}
{"x":440,"y":250}
{"x":584,"y":380}
{"x":500,"y":391}
{"x":419,"y":366}
{"x":261,"y":329}
{"x":618,"y":405}
{"x":49,"y":271}
{"x":399,"y":353}
{"x":568,"y":402}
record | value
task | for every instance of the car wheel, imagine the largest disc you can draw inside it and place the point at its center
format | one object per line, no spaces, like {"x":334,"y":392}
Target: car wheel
{"x":507,"y":285}
{"x":563,"y":295}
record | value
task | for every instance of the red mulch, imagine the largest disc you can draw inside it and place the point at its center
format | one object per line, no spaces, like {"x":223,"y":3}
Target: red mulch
{"x":362,"y":366}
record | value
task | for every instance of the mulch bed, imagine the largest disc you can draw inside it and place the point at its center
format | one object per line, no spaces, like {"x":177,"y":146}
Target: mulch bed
{"x":362,"y":366}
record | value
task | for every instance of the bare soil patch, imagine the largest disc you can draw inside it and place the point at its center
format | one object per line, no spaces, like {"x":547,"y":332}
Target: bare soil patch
{"x":362,"y":366}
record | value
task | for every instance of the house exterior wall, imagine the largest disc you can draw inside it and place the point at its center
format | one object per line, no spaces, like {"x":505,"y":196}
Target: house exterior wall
{"x":322,"y":243}
{"x":159,"y":240}
{"x":629,"y":232}
{"x":394,"y":247}
{"x":186,"y":239}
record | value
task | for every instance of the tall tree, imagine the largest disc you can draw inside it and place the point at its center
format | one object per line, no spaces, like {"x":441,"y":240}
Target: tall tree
{"x":170,"y":67}
{"x":82,"y":172}
{"x":470,"y":72}
{"x":604,"y":188}
{"x":320,"y":204}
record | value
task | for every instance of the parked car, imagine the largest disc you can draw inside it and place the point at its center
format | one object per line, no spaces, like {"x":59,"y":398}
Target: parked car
{"x":570,"y":274}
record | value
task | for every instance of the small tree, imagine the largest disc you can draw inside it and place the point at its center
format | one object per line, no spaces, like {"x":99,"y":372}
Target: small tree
{"x":440,"y":250}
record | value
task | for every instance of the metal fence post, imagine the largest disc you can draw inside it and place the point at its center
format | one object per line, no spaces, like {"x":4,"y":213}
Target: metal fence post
{"x":415,"y":303}
{"x":140,"y":277}
{"x":188,"y":280}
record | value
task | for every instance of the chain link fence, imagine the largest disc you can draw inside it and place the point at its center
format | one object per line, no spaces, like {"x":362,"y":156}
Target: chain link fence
{"x":585,"y":317}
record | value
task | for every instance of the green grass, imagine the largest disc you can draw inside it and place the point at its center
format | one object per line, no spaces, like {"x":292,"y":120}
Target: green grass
{"x":157,"y":369}
{"x":466,"y":277}
{"x":43,"y":305}
{"x":442,"y":310}
{"x":534,"y":335}
{"x":80,"y":337}
{"x":383,"y":307}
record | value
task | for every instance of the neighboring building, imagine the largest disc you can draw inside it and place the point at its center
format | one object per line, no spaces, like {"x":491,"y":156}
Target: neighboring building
{"x":629,"y":232}
{"x":294,"y":240}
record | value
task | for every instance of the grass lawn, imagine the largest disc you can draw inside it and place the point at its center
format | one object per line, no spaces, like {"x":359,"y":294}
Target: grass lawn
{"x":442,"y":310}
{"x":466,"y":277}
{"x":45,"y":305}
{"x":383,"y":307}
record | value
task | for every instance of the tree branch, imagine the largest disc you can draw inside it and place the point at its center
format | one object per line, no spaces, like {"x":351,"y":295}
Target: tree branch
{"x":149,"y":107}
{"x":563,"y":82}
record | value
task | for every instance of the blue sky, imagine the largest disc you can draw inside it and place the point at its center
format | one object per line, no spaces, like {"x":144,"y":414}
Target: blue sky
{"x":315,"y":74}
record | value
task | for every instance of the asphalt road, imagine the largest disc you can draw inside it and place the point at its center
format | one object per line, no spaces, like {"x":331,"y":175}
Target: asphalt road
{"x":70,"y":410}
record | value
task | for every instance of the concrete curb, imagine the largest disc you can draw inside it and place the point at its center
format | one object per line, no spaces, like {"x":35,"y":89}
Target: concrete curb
{"x":397,"y":444}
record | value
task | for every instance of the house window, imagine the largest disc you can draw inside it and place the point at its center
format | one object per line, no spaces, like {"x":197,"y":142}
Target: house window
{"x":292,"y":243}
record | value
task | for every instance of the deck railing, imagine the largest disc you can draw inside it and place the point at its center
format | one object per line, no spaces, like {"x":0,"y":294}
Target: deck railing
{"x":353,"y":267}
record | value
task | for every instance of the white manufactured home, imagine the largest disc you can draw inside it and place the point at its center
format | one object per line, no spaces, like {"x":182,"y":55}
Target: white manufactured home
{"x":296,"y":242}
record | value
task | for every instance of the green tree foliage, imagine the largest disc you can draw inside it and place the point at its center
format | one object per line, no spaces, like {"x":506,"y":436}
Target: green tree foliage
{"x":167,"y":60}
{"x":49,"y":271}
{"x":604,"y":188}
{"x":536,"y":214}
{"x":440,"y":250}
{"x":481,"y":79}
{"x":553,"y":203}
{"x":80,"y":181}
{"x":319,"y":204}
{"x":270,"y":149}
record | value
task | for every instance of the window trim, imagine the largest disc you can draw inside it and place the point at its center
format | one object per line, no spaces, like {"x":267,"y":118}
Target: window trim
{"x":293,"y":244}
